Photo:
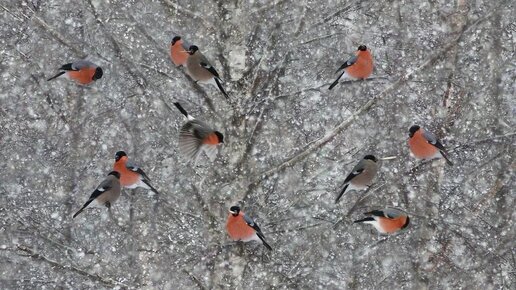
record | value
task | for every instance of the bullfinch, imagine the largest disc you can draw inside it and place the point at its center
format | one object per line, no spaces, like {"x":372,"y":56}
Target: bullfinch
{"x":359,"y":66}
{"x":196,"y":136}
{"x":241,"y":227}
{"x":386,"y":221}
{"x":106,"y":193}
{"x":361,"y":175}
{"x":131,"y":175}
{"x":424,"y":145}
{"x":199,"y":68}
{"x":82,"y":72}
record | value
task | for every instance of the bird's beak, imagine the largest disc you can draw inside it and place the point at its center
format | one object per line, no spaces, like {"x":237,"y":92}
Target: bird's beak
{"x":388,"y":158}
{"x":232,"y":212}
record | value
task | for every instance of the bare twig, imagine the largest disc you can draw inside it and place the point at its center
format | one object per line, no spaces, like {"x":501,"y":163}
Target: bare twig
{"x":194,"y":279}
{"x":10,"y":13}
{"x":483,"y":140}
{"x":367,"y":106}
{"x":33,"y":254}
{"x":192,"y":14}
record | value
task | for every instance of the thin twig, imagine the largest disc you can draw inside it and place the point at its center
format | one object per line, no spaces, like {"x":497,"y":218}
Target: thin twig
{"x":366,"y":107}
{"x":194,"y":279}
{"x":33,"y":254}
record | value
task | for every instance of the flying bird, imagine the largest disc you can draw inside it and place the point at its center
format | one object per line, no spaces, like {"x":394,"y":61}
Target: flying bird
{"x":196,"y":136}
{"x":359,"y":66}
{"x":131,"y":175}
{"x":241,"y":227}
{"x":424,"y":145}
{"x":386,"y":221}
{"x":200,"y":69}
{"x":82,"y":72}
{"x":178,"y":51}
{"x":106,"y":193}
{"x":361,"y":175}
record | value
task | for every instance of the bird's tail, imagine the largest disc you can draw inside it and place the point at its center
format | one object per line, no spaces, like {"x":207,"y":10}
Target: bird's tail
{"x":343,"y":66}
{"x":83,"y":207}
{"x":181,"y":109}
{"x":336,"y":81}
{"x":367,"y":219}
{"x":221,"y":88}
{"x":150,"y":186}
{"x":445,"y":156}
{"x":56,"y":76}
{"x":341,"y":193}
{"x":262,"y":238}
{"x":265,"y":243}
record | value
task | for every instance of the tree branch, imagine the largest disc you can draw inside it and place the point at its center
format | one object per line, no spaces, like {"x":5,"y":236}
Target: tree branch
{"x":367,"y":106}
{"x":36,"y":256}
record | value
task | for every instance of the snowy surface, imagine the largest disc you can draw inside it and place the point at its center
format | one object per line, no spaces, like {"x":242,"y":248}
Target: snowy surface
{"x":277,"y":59}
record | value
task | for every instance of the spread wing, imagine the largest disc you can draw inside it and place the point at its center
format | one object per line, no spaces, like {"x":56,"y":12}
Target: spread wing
{"x":189,"y":145}
{"x":211,"y":151}
{"x":191,"y":136}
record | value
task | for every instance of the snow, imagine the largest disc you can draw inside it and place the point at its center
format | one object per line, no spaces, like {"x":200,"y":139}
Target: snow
{"x":276,"y":58}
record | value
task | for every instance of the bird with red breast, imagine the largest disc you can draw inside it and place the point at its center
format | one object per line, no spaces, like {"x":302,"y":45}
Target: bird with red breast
{"x":178,"y":51}
{"x":241,"y":227}
{"x":359,"y":66}
{"x":82,"y":72}
{"x":424,"y":145}
{"x":386,"y":221}
{"x":131,"y":175}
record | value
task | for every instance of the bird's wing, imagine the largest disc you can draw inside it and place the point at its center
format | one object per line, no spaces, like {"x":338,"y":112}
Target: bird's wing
{"x":133,"y":167}
{"x":348,"y":62}
{"x":210,"y":68}
{"x":432,"y":139}
{"x":211,"y":151}
{"x":80,"y":64}
{"x":189,"y":140}
{"x":191,"y":137}
{"x":378,"y":213}
{"x":68,"y":66}
{"x":259,"y":233}
{"x":359,"y":168}
{"x":387,"y":212}
{"x":103,"y":187}
{"x":250,"y":222}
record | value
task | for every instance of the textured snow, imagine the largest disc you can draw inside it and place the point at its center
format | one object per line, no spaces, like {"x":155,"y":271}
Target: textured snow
{"x":277,"y":59}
